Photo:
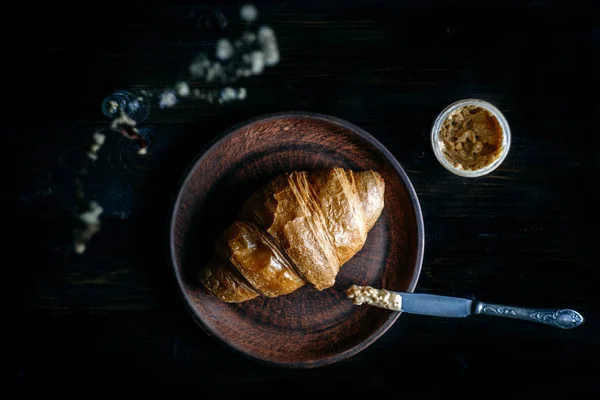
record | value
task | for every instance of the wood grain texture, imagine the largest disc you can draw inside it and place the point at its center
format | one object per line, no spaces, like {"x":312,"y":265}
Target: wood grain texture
{"x":306,"y":328}
{"x":520,"y":235}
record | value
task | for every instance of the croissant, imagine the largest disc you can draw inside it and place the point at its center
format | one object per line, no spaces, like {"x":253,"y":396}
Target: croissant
{"x":299,"y":228}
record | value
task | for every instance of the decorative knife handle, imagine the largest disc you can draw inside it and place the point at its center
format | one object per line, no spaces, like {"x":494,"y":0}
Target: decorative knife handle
{"x":560,"y":318}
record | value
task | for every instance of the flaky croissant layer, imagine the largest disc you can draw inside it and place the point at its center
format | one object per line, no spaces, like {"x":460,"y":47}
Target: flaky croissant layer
{"x":299,"y":228}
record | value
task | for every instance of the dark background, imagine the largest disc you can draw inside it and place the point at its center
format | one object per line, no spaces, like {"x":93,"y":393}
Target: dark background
{"x":523,"y":235}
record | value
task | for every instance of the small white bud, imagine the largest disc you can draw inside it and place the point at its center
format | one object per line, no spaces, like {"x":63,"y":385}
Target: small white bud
{"x":98,"y":138}
{"x":90,"y":217}
{"x":271,"y":55}
{"x":258,"y":62}
{"x":227,"y":94}
{"x":79,"y":248}
{"x":167,"y":99}
{"x":199,"y":66}
{"x":182,"y":89}
{"x":248,"y":13}
{"x":213,"y":71}
{"x":224,"y":49}
{"x":265,"y":34}
{"x":248,"y":37}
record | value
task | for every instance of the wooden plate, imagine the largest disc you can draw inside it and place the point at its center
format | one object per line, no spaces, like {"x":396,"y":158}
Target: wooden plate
{"x":306,"y":328}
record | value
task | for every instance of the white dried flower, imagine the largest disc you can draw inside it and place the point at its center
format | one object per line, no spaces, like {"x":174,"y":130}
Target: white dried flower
{"x":196,"y":70}
{"x":257,"y":59}
{"x":90,"y":217}
{"x":265,"y":34}
{"x":167,"y":99}
{"x":210,"y":97}
{"x":125,"y":125}
{"x":97,"y":142}
{"x":227,"y":94}
{"x":271,"y":55}
{"x":113,"y":106}
{"x":122,"y":120}
{"x":98,"y":138}
{"x":88,"y":222}
{"x":248,"y":13}
{"x":182,"y":89}
{"x":248,"y":37}
{"x":224,"y":49}
{"x":213,"y":71}
{"x":199,"y":66}
{"x":79,"y":248}
{"x":268,"y":44}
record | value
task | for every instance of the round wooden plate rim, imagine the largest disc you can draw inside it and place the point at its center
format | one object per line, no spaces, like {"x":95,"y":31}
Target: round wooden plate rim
{"x":183,"y":295}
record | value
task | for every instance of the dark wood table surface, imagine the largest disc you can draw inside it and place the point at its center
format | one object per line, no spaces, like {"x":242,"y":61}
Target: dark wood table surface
{"x":524,"y":235}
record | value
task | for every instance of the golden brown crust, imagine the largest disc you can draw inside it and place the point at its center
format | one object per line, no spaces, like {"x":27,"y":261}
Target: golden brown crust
{"x":223,"y":283}
{"x":256,"y":257}
{"x":301,"y":227}
{"x":342,"y":209}
{"x":370,"y":187}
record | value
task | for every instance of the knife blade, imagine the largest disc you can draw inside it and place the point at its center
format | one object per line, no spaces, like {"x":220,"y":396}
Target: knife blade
{"x":434,"y":305}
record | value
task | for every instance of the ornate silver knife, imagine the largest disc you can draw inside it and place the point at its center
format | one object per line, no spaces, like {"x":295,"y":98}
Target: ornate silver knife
{"x":455,"y":307}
